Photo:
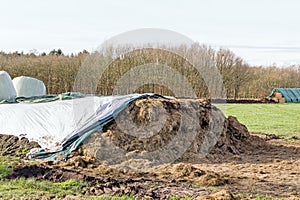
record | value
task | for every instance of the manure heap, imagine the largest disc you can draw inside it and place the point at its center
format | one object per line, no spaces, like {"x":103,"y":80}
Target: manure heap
{"x":119,"y":129}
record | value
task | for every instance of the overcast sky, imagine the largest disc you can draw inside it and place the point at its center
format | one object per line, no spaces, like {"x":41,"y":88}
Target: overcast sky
{"x":262,"y":32}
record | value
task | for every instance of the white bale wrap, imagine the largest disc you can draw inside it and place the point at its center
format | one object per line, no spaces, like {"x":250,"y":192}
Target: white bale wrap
{"x":7,"y":90}
{"x":28,"y":86}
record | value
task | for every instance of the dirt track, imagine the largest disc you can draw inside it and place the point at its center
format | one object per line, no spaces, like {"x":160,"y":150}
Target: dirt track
{"x":240,"y":164}
{"x":273,"y":171}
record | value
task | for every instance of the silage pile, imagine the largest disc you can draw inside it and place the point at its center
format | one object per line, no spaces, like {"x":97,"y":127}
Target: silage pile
{"x":129,"y":156}
{"x":152,"y":132}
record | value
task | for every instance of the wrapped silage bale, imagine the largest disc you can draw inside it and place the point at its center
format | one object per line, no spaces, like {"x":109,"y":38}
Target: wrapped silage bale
{"x":7,"y":90}
{"x":28,"y":86}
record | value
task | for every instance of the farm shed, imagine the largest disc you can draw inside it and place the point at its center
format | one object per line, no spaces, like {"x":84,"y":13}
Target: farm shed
{"x":285,"y":95}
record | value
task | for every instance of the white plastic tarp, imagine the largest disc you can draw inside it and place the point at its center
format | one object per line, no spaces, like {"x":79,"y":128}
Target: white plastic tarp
{"x":28,"y":86}
{"x":7,"y":90}
{"x":52,"y":124}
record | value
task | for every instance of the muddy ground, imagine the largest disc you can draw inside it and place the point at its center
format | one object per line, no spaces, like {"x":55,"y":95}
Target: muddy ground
{"x":273,"y":170}
{"x":244,"y":101}
{"x":238,"y":166}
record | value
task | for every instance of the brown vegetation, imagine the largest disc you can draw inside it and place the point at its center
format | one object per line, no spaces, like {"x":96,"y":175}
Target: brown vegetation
{"x":59,"y":72}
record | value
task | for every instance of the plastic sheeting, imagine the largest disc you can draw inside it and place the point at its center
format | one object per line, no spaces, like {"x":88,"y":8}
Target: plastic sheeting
{"x":28,"y":86}
{"x":60,"y":126}
{"x":290,"y":94}
{"x":7,"y":90}
{"x":46,"y":98}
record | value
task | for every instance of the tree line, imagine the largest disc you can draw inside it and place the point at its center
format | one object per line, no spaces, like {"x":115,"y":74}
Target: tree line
{"x":58,"y":71}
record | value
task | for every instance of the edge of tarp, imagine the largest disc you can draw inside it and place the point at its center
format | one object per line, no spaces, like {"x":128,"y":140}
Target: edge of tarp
{"x":47,"y":98}
{"x":76,"y":140}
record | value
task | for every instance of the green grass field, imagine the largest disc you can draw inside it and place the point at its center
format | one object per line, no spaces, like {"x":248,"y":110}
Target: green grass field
{"x":279,"y":119}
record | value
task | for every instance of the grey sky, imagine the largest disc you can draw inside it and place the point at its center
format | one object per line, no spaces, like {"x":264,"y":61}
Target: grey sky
{"x":260,"y":31}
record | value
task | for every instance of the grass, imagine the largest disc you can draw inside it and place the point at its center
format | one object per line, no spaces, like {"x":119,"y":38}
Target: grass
{"x":31,"y":189}
{"x":6,"y":164}
{"x":279,"y":119}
